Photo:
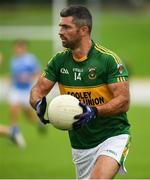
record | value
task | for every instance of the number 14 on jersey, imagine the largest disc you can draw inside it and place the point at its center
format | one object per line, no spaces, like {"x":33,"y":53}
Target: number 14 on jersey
{"x":77,"y":76}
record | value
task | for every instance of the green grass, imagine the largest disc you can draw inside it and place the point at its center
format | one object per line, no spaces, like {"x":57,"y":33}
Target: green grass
{"x":46,"y":156}
{"x":138,"y":163}
{"x":49,"y":155}
{"x":26,"y":15}
{"x":128,"y":34}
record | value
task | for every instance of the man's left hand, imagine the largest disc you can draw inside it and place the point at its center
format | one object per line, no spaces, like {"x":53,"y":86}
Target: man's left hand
{"x":40,"y":108}
{"x":89,"y":113}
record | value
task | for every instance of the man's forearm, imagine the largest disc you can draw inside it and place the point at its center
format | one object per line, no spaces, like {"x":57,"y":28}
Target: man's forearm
{"x":116,"y":106}
{"x":40,"y":89}
{"x":35,"y":95}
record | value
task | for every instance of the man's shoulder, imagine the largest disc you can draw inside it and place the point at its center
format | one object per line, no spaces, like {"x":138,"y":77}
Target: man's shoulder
{"x":60,"y":56}
{"x":62,"y":53}
{"x":106,"y":53}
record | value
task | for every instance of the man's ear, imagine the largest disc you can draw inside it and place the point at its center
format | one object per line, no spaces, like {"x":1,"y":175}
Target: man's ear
{"x":84,"y":30}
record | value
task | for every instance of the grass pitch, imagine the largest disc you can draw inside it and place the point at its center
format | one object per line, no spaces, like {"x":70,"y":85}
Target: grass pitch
{"x":49,"y":155}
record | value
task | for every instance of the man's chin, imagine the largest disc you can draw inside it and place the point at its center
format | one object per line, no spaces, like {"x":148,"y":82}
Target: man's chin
{"x":65,"y":45}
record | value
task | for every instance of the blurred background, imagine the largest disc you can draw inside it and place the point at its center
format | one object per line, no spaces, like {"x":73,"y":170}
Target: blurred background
{"x":121,"y":26}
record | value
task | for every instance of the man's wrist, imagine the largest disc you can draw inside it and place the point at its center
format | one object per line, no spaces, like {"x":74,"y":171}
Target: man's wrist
{"x":36,"y":103}
{"x":95,"y":111}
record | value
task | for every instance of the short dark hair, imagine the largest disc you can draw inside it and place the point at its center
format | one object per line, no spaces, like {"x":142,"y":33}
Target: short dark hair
{"x":81,"y":15}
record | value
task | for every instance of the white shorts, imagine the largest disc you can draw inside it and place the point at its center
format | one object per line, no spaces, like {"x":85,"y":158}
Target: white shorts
{"x":116,"y":147}
{"x":19,"y":96}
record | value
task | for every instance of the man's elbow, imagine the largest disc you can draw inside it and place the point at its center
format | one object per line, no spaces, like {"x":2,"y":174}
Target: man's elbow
{"x":31,"y":101}
{"x":126,"y":108}
{"x":126,"y":105}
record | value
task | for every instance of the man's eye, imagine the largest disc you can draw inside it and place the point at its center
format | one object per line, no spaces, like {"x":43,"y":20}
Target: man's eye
{"x":66,"y":27}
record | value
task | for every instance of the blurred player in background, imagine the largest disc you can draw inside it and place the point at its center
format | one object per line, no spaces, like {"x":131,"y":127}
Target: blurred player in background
{"x":25,"y":69}
{"x":6,"y":131}
{"x":99,"y":79}
{"x":11,"y":133}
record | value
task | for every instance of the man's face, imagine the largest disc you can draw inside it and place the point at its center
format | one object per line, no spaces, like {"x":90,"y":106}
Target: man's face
{"x":69,"y":33}
{"x":20,"y":49}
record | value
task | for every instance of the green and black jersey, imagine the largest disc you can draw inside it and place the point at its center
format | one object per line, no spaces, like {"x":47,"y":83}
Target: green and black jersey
{"x":88,"y":79}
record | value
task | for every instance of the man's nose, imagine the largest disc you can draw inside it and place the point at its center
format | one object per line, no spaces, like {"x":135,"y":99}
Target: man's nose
{"x":60,"y":31}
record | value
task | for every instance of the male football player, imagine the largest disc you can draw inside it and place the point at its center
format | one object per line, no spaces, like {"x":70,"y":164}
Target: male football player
{"x":99,"y":79}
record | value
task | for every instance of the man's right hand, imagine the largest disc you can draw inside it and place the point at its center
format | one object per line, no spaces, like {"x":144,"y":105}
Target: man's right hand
{"x":40,"y":108}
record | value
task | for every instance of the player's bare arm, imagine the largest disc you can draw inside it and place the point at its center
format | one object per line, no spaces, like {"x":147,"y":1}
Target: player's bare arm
{"x":119,"y":103}
{"x":40,"y":89}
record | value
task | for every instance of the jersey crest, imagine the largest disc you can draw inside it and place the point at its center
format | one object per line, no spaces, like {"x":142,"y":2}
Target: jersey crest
{"x":92,"y":73}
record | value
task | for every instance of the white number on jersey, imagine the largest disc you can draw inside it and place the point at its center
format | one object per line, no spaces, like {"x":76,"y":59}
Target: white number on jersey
{"x":77,"y":76}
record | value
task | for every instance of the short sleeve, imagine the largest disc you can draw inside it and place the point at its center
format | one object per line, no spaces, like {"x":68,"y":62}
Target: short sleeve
{"x":52,"y":70}
{"x":116,"y":70}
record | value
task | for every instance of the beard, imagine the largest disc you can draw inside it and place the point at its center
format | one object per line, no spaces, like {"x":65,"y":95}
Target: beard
{"x":72,"y":43}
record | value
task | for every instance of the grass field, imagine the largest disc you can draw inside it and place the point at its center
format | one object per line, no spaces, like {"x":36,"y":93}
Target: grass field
{"x":49,"y":155}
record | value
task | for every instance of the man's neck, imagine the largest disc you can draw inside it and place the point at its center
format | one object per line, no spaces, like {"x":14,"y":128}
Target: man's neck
{"x":82,"y":51}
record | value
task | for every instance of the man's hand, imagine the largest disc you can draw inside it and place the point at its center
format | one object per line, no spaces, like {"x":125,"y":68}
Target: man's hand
{"x":89,"y":113}
{"x":40,"y":108}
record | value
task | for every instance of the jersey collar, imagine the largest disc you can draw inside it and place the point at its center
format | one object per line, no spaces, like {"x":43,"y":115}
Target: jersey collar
{"x":85,"y":57}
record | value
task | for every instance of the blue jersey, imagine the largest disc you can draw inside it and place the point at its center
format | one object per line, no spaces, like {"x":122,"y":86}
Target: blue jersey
{"x":23,"y":68}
